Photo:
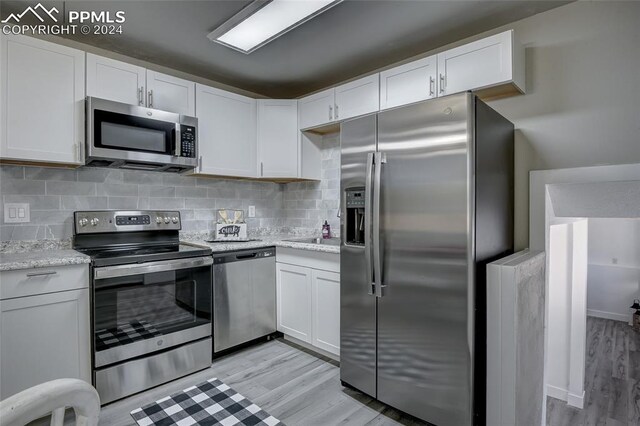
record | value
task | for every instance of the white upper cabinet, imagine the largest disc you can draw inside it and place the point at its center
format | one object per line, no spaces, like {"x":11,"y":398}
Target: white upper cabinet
{"x":277,"y":138}
{"x":41,"y":101}
{"x":358,"y":97}
{"x":227,"y":132}
{"x":171,"y":93}
{"x":492,"y":61}
{"x":115,"y":80}
{"x":134,"y":85}
{"x":317,"y":109}
{"x":355,"y":98}
{"x":408,"y":83}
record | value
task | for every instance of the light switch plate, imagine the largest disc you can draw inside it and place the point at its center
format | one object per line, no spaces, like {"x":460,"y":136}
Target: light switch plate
{"x":16,"y":213}
{"x":252,"y":211}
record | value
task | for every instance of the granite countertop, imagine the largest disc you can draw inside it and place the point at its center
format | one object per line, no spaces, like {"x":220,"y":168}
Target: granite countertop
{"x":41,"y":259}
{"x":266,"y":241}
{"x":36,"y":254}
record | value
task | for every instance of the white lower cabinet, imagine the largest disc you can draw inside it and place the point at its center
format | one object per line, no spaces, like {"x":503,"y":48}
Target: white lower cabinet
{"x":294,"y":301}
{"x":45,"y":336}
{"x":308,"y":298}
{"x":326,"y":310}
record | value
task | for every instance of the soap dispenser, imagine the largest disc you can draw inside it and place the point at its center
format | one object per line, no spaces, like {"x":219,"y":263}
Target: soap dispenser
{"x":326,"y":230}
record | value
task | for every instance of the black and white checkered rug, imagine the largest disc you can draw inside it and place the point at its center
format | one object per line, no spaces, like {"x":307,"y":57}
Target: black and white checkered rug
{"x":208,"y":403}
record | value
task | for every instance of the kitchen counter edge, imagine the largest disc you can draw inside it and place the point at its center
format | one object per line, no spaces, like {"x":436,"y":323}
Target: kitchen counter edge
{"x":221,"y":247}
{"x":11,"y":261}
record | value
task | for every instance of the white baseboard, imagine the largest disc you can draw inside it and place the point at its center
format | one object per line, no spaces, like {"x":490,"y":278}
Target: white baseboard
{"x":607,"y":315}
{"x":576,"y":400}
{"x":557,"y":393}
{"x":564,"y":395}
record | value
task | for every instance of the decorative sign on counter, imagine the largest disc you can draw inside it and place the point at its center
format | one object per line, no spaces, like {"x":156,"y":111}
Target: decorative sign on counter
{"x":230,"y":226}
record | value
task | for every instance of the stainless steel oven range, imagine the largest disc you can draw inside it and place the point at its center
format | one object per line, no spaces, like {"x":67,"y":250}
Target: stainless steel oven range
{"x":151,"y":299}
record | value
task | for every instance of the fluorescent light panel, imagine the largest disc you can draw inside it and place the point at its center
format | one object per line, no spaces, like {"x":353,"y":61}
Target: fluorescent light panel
{"x":260,"y":23}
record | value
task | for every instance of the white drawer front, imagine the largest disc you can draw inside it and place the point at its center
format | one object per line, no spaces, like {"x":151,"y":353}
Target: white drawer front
{"x":309,"y":259}
{"x":29,"y":282}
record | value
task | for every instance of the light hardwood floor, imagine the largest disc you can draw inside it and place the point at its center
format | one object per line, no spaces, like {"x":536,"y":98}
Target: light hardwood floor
{"x":295,"y":386}
{"x":612,"y":379}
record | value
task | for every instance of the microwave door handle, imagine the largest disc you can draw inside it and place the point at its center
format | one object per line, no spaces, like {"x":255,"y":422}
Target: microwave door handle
{"x":177,"y":141}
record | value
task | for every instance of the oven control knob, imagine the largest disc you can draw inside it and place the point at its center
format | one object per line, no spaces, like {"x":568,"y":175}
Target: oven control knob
{"x":95,"y":221}
{"x":174,"y":219}
{"x":158,"y":220}
{"x":166,"y":219}
{"x":83,"y":221}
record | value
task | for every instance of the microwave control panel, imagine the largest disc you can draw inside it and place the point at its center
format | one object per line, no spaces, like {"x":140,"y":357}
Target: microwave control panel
{"x":187,"y":141}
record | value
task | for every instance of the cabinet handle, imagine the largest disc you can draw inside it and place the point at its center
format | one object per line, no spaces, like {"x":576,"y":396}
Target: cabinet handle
{"x":261,"y":169}
{"x":336,"y":111}
{"x":330,"y":112}
{"x":41,"y":274}
{"x":442,"y":83}
{"x":432,"y":83}
{"x":80,"y":159}
{"x":200,"y":164}
{"x":150,"y":100}
{"x":141,"y":95}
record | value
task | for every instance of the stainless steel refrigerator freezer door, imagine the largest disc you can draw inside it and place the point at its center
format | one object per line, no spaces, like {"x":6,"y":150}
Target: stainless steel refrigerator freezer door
{"x":424,"y":321}
{"x":357,"y":305}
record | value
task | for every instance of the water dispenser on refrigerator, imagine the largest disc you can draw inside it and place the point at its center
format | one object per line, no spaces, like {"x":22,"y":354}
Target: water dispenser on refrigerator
{"x":354,"y":222}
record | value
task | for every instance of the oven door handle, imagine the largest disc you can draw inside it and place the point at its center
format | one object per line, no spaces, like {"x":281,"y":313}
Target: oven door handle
{"x":150,"y":267}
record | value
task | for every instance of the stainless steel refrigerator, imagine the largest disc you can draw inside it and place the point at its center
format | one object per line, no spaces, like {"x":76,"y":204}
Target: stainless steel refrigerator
{"x":427,"y":201}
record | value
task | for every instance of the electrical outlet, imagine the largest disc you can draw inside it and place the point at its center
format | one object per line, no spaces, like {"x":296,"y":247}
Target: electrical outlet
{"x":252,"y":211}
{"x":614,"y":260}
{"x":17,"y":213}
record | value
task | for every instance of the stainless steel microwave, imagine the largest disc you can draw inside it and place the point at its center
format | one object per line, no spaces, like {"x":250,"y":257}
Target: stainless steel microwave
{"x":127,"y":136}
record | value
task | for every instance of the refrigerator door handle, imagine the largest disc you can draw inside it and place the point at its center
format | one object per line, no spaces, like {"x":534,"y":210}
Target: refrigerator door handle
{"x":379,"y":159}
{"x":368,"y":246}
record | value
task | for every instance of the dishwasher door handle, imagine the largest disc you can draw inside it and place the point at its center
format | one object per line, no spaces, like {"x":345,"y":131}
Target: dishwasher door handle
{"x":246,"y":256}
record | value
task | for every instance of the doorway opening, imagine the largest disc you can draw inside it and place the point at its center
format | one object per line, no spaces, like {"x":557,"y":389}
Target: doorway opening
{"x":592,"y":366}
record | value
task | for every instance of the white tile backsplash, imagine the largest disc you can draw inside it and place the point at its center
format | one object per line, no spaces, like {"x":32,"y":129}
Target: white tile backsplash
{"x":54,"y":194}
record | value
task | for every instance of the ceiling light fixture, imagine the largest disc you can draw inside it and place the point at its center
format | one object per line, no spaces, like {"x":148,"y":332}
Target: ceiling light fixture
{"x":265,"y":20}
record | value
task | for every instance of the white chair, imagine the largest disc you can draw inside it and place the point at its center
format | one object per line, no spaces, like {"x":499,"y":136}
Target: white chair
{"x":52,"y":398}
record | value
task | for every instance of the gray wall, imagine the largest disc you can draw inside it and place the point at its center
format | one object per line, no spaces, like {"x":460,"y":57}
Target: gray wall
{"x":582,"y":106}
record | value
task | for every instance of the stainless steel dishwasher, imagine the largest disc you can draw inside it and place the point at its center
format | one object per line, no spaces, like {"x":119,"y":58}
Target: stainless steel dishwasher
{"x":244,"y":296}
